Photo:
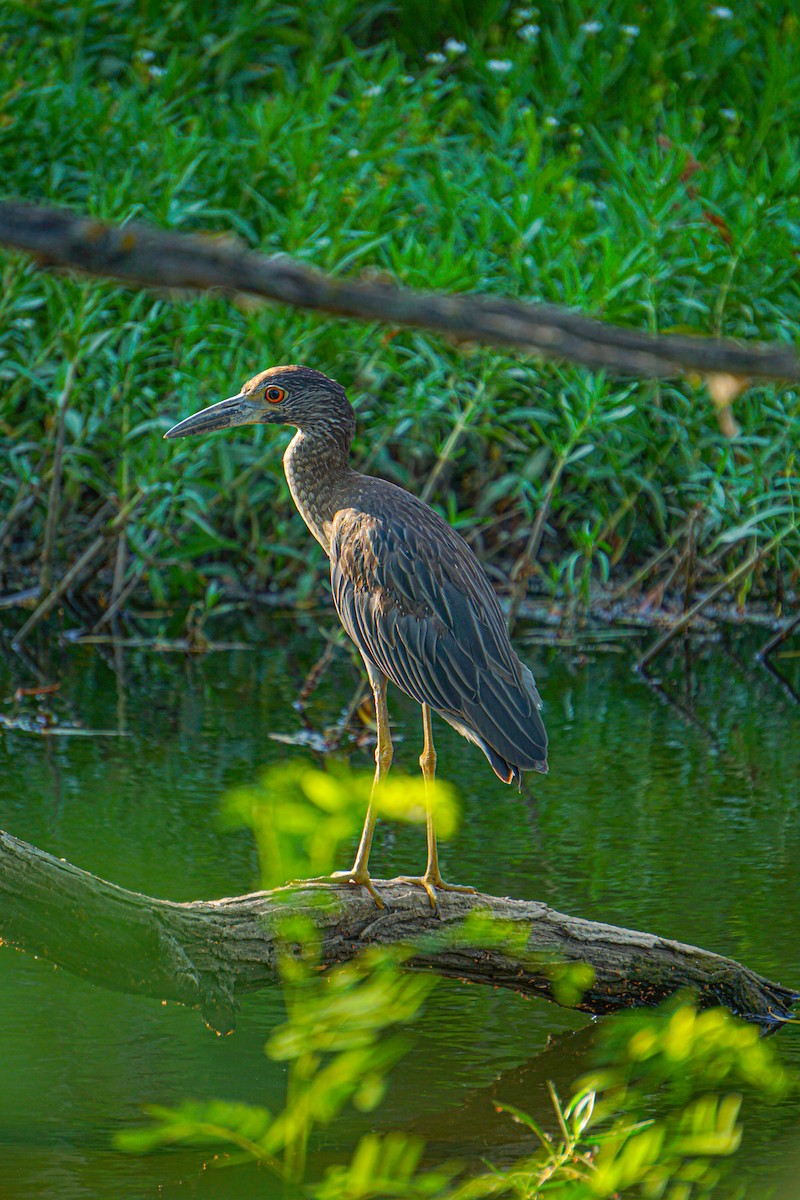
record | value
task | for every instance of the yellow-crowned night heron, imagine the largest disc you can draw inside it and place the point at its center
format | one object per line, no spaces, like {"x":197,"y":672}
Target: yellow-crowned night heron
{"x":407,"y":588}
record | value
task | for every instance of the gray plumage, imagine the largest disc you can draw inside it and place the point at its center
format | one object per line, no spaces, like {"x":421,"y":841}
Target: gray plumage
{"x":418,"y":605}
{"x":408,"y":589}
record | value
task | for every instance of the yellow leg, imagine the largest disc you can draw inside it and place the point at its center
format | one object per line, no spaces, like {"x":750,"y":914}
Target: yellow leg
{"x":359,"y":873}
{"x":432,"y":879}
{"x":427,"y":760}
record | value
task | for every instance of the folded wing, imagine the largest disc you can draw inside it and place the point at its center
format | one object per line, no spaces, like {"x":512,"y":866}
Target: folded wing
{"x":417,"y":603}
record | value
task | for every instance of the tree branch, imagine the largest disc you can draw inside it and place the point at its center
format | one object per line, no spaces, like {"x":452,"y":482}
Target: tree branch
{"x":208,"y":953}
{"x":146,"y":256}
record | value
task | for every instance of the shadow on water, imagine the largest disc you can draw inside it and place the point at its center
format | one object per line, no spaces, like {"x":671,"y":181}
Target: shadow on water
{"x":673,"y":808}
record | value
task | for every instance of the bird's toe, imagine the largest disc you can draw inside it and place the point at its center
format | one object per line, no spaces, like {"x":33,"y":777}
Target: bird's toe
{"x":359,"y":879}
{"x":433,"y":884}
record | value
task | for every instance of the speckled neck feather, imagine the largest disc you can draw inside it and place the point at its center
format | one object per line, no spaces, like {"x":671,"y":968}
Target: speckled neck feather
{"x":317,"y":470}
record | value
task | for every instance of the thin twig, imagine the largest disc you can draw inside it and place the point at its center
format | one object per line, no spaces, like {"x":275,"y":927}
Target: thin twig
{"x":23,"y":599}
{"x":660,"y":589}
{"x":22,"y":502}
{"x":779,"y":637}
{"x":687,"y":617}
{"x":78,"y":568}
{"x":642,"y":572}
{"x":627,"y":504}
{"x":161,"y":645}
{"x":454,"y":437}
{"x":359,"y":696}
{"x":779,"y":678}
{"x":690,"y":555}
{"x":120,"y":564}
{"x":525,"y":563}
{"x":122,"y":541}
{"x":54,"y":497}
{"x":684,"y":709}
{"x":314,"y":676}
{"x":125,"y":591}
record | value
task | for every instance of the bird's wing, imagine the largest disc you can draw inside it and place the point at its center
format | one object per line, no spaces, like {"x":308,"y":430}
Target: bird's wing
{"x":418,"y":605}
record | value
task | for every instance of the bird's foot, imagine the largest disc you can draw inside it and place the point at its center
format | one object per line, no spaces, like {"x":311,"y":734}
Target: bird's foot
{"x":359,"y":878}
{"x":433,"y":883}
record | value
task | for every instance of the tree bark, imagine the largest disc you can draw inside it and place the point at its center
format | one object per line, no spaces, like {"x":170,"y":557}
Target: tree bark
{"x":208,"y":953}
{"x":146,"y":256}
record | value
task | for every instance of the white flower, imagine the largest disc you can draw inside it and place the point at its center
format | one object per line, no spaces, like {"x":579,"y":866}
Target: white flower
{"x":353,"y":153}
{"x":591,"y":27}
{"x":374,"y":89}
{"x":529,"y":33}
{"x":500,"y":66}
{"x":630,"y":31}
{"x":553,"y":122}
{"x":407,"y":79}
{"x":722,"y":13}
{"x":145,"y":56}
{"x":452,"y":46}
{"x":524,"y":14}
{"x":435,"y":57}
{"x":730,"y":114}
{"x":156,"y":72}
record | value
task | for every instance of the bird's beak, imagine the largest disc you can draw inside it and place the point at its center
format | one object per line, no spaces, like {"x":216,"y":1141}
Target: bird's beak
{"x":238,"y":410}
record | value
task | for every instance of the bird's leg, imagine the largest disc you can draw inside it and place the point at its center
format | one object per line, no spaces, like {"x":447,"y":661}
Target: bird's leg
{"x":383,"y":760}
{"x":432,"y":879}
{"x":427,"y":761}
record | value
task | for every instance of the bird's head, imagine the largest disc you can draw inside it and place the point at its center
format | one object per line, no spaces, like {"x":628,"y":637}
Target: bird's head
{"x":292,"y":395}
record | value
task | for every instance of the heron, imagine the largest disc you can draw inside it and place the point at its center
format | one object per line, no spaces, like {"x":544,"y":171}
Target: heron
{"x":408,"y":590}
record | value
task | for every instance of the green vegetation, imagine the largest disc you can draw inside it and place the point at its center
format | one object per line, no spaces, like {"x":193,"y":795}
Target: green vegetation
{"x":304,"y":819}
{"x":340,"y":1040}
{"x":655,"y":1118}
{"x":643,"y":166}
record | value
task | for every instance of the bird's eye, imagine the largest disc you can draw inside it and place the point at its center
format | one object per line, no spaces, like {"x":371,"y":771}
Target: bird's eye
{"x":274,"y":394}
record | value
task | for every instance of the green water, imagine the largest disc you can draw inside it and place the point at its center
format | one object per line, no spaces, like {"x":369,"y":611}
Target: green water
{"x":688,"y":826}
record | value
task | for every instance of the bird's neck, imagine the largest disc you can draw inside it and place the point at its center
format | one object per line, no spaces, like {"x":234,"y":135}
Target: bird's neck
{"x":316,"y":464}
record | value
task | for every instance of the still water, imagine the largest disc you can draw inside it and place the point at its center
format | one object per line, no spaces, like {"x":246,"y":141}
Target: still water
{"x":677,"y":813}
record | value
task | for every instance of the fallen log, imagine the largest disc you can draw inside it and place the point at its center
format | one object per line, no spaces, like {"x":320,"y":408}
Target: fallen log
{"x":209,"y":953}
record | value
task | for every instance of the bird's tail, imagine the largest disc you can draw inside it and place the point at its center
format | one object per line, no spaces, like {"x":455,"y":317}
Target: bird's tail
{"x":510,"y":772}
{"x":507,"y":771}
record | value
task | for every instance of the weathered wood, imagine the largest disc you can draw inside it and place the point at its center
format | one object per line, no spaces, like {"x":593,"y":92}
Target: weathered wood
{"x":208,"y":953}
{"x":146,"y":256}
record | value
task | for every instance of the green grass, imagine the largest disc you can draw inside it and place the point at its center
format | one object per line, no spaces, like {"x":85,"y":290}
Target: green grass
{"x":324,"y":132}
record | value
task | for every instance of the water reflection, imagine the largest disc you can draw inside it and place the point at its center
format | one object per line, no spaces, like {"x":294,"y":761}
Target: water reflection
{"x":672,"y":810}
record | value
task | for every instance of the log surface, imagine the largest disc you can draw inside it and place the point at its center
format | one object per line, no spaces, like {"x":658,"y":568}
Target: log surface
{"x":209,"y":953}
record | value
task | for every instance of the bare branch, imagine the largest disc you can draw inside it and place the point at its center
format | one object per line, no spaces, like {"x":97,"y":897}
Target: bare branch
{"x":146,"y":256}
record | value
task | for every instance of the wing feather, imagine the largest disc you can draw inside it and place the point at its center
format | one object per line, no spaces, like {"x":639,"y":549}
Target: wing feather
{"x":418,"y":605}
